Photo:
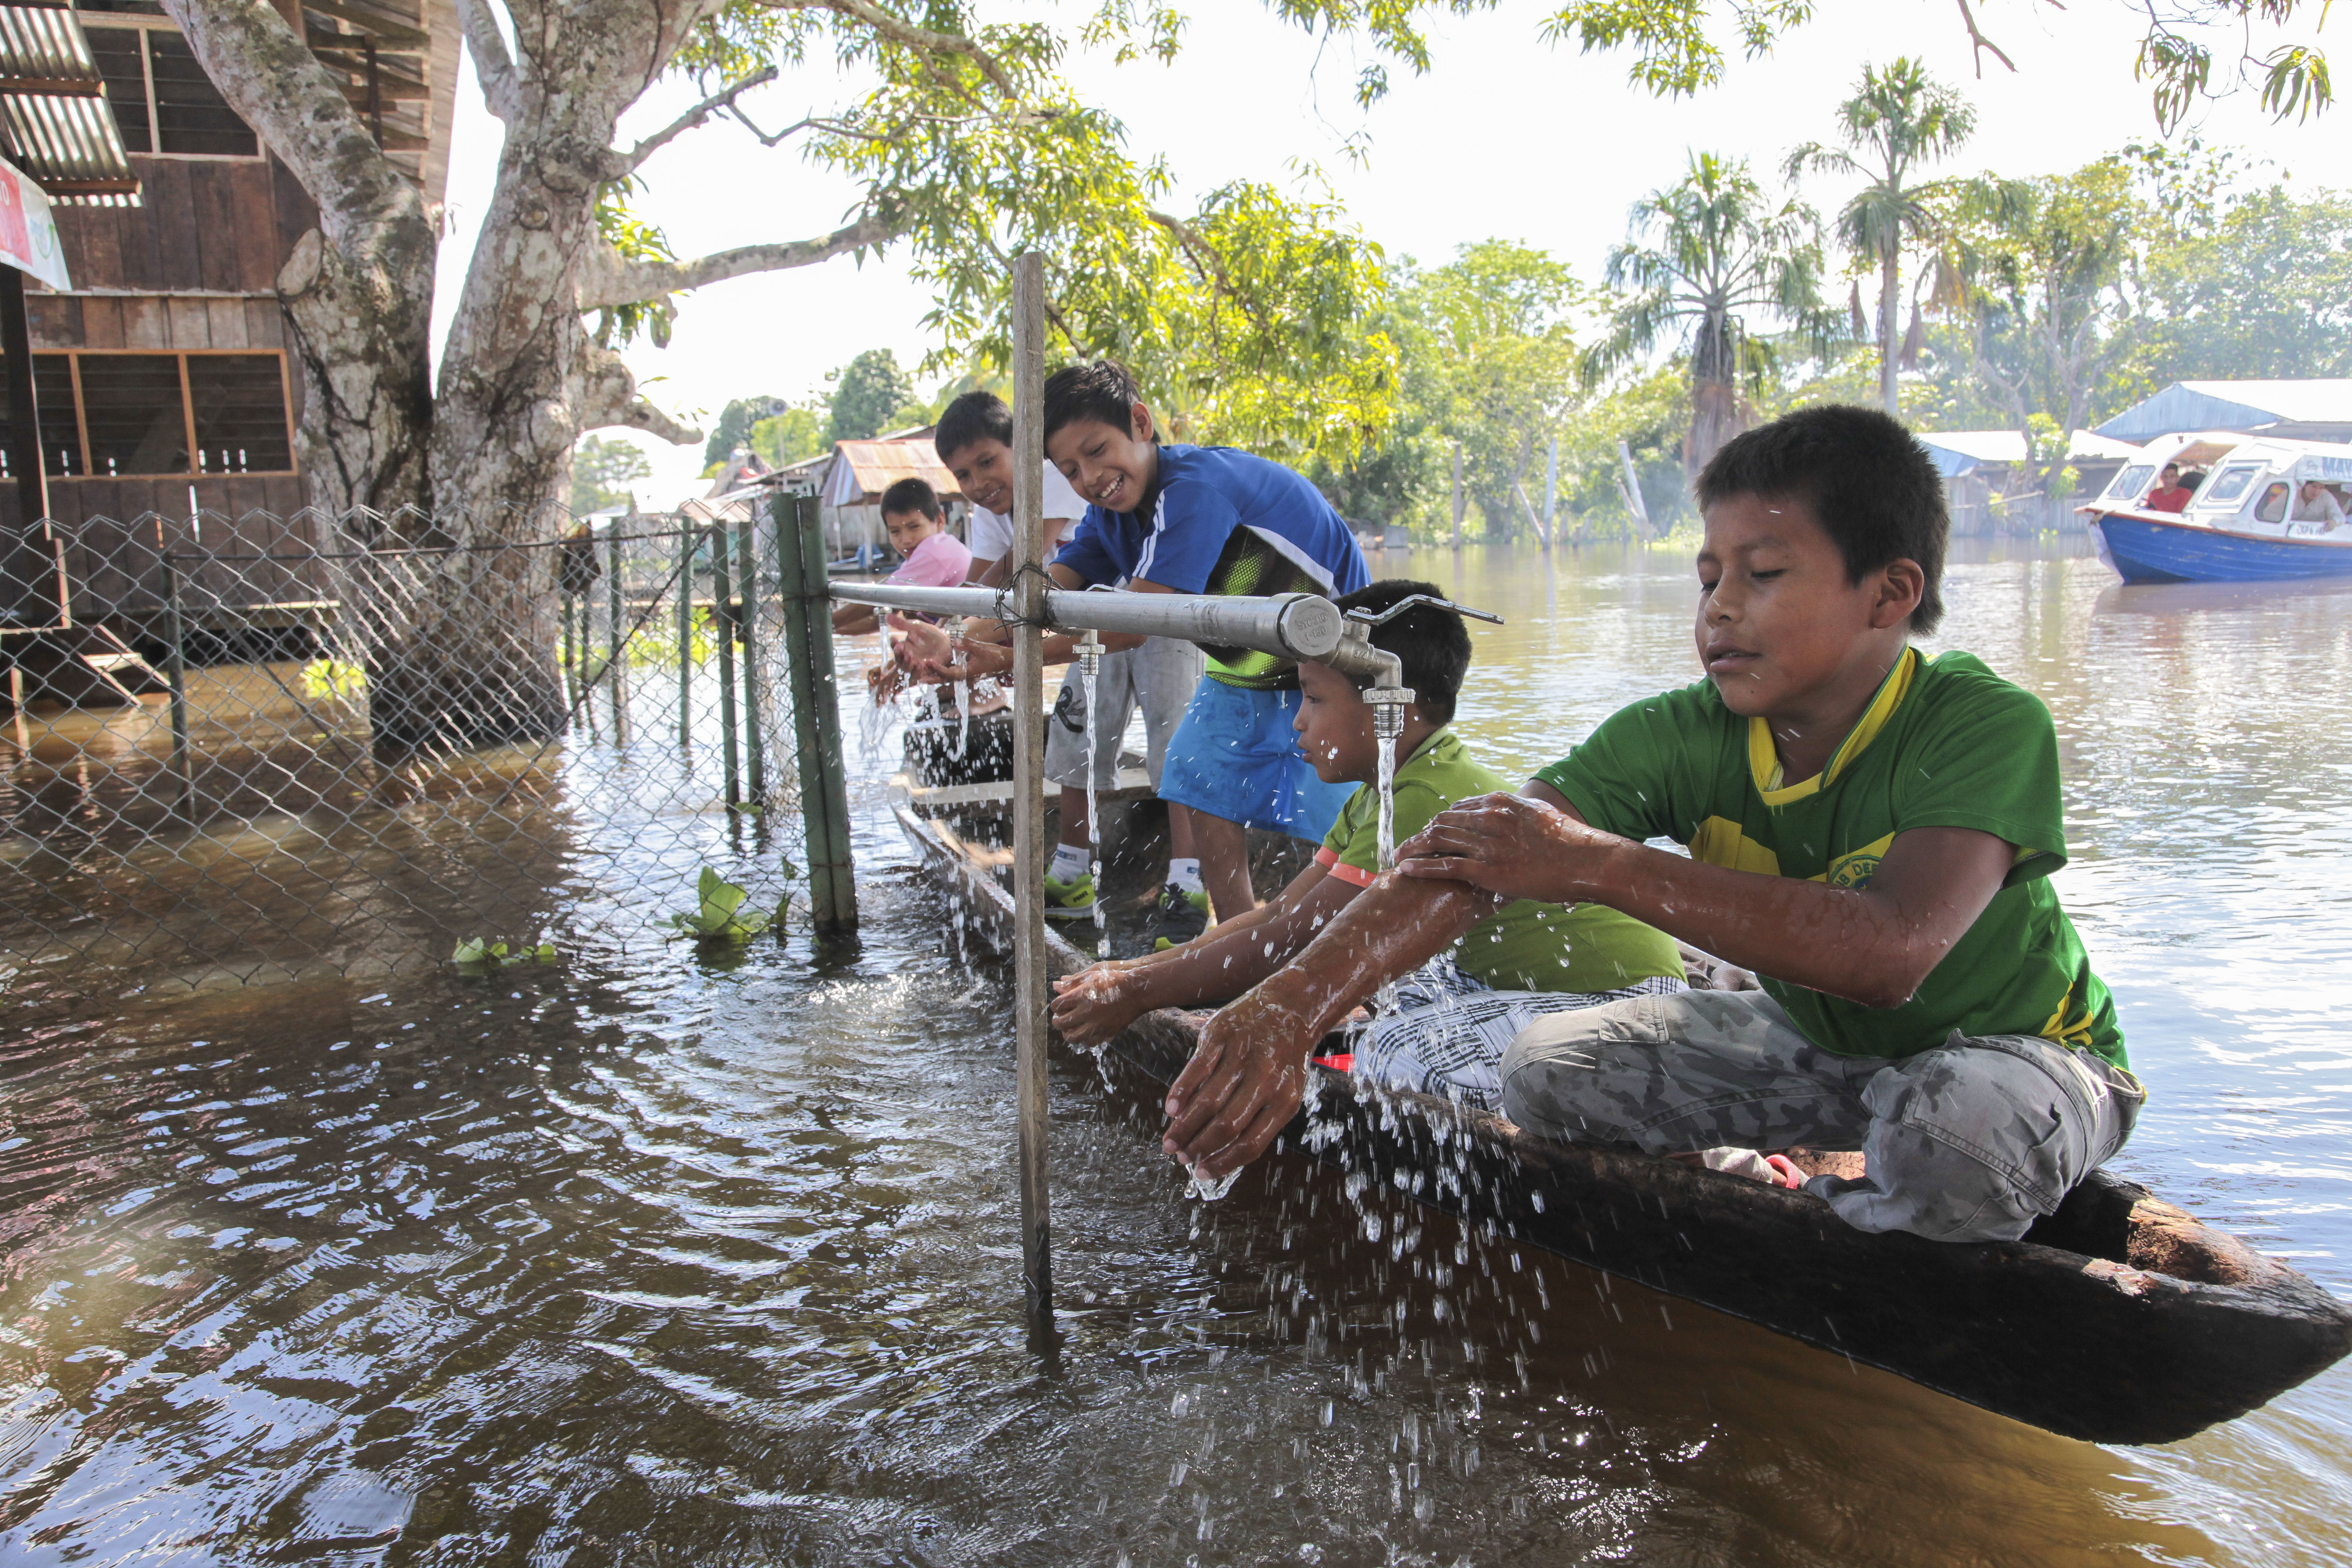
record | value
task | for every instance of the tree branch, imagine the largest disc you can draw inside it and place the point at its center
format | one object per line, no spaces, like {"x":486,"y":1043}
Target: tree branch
{"x":619,"y":164}
{"x":492,"y":65}
{"x":1978,"y":44}
{"x":606,"y":280}
{"x":907,"y":32}
{"x":608,"y":396}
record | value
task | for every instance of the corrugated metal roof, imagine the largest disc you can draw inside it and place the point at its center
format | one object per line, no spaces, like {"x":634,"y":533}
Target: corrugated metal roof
{"x":1959,"y":452}
{"x":72,"y":146}
{"x":42,"y":50}
{"x":2234,"y":406}
{"x":61,"y":130}
{"x":862,"y":470}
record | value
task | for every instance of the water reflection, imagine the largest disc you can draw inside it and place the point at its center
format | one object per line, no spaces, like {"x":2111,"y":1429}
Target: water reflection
{"x":648,"y":1259}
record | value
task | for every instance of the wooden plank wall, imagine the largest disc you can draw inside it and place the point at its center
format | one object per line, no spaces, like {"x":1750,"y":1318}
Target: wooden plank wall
{"x":208,"y":225}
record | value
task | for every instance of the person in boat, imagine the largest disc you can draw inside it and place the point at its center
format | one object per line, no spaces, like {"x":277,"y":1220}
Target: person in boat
{"x":1870,"y":831}
{"x":2316,"y":510}
{"x":1193,"y":520}
{"x":1445,"y":1029}
{"x":1158,"y":674}
{"x":2170,"y":494}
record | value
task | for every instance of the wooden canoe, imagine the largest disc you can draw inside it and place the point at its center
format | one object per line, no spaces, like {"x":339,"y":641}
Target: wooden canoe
{"x":2119,"y":1318}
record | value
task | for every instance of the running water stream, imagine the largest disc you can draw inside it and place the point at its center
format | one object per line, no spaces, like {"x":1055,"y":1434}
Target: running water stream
{"x":646,"y":1256}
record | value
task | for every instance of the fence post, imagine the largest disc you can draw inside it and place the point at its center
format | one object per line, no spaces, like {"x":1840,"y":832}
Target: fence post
{"x":176,"y":670}
{"x":615,"y":670}
{"x":722,"y":620}
{"x":685,"y":633}
{"x":816,"y":712}
{"x":747,"y":563}
{"x":1030,"y":955}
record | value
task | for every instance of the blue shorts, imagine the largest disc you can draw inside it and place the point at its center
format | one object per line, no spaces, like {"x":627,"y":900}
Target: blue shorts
{"x":1236,"y":756}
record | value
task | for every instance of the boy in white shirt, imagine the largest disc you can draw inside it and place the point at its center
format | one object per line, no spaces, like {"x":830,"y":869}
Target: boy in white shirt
{"x":975,"y":441}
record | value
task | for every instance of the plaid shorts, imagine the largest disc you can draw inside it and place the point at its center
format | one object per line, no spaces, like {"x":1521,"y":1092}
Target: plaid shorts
{"x":1447,"y":1032}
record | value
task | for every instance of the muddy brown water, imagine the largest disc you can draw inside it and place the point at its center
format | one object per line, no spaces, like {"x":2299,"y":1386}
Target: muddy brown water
{"x":643,"y":1259}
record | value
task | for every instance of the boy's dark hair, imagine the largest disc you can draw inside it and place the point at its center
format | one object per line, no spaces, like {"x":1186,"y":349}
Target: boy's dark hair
{"x":1431,"y":644}
{"x":911,"y":495}
{"x":1866,"y":477}
{"x":974,"y":416}
{"x":1103,"y":390}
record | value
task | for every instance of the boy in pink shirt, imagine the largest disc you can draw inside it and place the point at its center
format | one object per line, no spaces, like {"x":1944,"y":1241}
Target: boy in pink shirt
{"x":929,"y":556}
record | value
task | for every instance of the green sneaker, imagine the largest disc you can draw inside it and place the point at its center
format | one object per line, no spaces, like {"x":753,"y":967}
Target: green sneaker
{"x":1182,"y":916}
{"x":1070,"y":901}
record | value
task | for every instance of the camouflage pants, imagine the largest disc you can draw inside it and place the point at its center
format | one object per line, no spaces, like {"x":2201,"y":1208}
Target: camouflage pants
{"x":1971,"y":1141}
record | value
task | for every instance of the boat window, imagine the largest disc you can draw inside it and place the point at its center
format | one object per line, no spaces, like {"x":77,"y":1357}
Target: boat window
{"x":2271,"y":508}
{"x":2231,"y":484}
{"x":2132,"y":482}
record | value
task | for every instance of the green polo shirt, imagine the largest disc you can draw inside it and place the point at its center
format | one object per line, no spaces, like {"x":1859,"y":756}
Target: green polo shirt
{"x":1523,"y":946}
{"x":1944,"y":743}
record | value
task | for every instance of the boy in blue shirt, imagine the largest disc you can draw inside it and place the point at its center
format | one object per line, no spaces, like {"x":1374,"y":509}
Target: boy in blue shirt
{"x":1197,"y":520}
{"x":1870,"y":830}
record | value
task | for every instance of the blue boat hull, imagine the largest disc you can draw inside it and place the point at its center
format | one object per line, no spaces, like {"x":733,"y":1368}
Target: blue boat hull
{"x":2144,"y":550}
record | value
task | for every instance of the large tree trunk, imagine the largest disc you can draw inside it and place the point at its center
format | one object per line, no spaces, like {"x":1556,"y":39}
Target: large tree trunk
{"x":1890,"y":290}
{"x":1718,"y":412}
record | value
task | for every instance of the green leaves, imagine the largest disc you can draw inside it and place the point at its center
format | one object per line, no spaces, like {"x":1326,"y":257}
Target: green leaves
{"x":719,"y":915}
{"x":477,"y":953}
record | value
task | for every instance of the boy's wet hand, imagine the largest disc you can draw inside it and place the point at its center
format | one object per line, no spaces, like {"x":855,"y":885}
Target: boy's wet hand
{"x":1094,"y":1004}
{"x":1244,"y":1084}
{"x":1510,"y":846}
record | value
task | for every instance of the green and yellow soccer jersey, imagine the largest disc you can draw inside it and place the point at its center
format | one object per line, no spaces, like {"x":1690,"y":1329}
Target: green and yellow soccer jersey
{"x":1524,"y":945}
{"x":1944,"y":743}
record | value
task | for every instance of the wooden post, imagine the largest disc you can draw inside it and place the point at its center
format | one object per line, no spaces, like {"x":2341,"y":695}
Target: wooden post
{"x":1029,"y":1000}
{"x":24,"y":433}
{"x":1552,"y":495}
{"x":817,"y":713}
{"x":685,"y":633}
{"x":723,"y":619}
{"x":570,"y":648}
{"x":748,"y":570}
{"x":1458,"y":495}
{"x":177,"y":671}
{"x":615,"y":636}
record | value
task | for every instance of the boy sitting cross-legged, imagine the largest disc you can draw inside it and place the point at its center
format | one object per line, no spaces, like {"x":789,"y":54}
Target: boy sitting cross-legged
{"x":1451,"y":1022}
{"x":1870,"y":830}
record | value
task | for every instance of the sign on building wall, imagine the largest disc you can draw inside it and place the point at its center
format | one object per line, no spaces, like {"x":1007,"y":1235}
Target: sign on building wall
{"x":28,"y":235}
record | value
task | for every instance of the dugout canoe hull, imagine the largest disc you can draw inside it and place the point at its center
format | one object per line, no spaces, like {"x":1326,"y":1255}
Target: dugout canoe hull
{"x":2121,"y":1319}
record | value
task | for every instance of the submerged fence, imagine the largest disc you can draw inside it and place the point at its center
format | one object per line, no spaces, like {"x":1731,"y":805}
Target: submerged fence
{"x":237,"y":748}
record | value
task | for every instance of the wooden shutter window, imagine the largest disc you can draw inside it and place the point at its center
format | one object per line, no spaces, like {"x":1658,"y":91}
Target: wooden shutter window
{"x":116,"y":49}
{"x":190,"y":116}
{"x":137,"y":422}
{"x":240,"y":408}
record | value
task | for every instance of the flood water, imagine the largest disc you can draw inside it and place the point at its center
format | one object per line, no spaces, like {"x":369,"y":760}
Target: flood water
{"x":647,"y":1258}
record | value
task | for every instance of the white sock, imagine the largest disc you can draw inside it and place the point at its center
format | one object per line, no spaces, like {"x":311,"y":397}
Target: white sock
{"x":1185,"y":875}
{"x":1070,"y":860}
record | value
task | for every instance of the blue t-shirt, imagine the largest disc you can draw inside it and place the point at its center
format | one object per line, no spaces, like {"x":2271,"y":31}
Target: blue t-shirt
{"x":1218,"y":520}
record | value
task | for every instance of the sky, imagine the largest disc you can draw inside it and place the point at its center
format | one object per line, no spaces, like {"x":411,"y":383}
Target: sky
{"x":1504,"y":137}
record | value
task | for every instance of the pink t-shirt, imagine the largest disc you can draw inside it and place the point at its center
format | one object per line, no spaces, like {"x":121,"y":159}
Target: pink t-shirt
{"x":940,"y":562}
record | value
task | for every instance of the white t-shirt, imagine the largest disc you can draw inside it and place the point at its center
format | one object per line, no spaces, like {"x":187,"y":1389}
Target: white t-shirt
{"x":990,"y":533}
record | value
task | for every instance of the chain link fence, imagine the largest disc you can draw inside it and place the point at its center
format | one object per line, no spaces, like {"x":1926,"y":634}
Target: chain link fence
{"x":268,"y":747}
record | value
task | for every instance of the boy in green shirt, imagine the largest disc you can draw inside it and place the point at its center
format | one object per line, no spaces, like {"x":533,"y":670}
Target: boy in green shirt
{"x":1872,"y":832}
{"x":1447,"y":1029}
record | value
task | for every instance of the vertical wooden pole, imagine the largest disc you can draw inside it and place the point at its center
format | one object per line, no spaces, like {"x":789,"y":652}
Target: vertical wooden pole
{"x":685,"y":633}
{"x":1552,"y":495}
{"x":1458,"y":495}
{"x":24,"y":414}
{"x":1029,"y":950}
{"x":817,"y":713}
{"x":747,"y":561}
{"x":723,"y":619}
{"x":177,"y":671}
{"x":570,"y":648}
{"x":617,"y":672}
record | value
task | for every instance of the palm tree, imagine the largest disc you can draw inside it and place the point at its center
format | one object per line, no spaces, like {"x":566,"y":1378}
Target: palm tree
{"x":1897,"y":119}
{"x":1705,"y":253}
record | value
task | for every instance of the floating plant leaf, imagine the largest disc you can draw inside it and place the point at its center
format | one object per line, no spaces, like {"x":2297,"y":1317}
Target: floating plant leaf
{"x":720,"y":916}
